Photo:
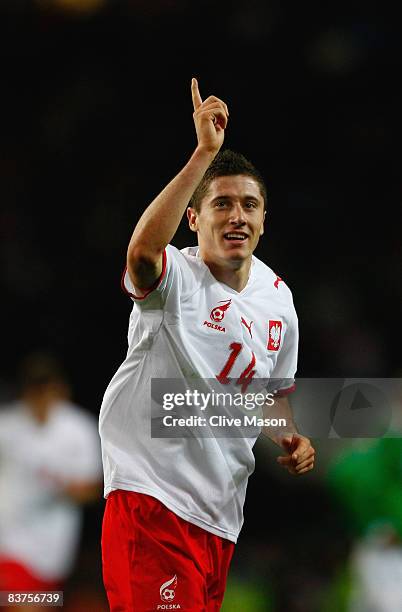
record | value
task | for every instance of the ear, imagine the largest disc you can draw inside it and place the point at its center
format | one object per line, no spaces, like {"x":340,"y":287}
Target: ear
{"x":192,"y":217}
{"x":263,"y":221}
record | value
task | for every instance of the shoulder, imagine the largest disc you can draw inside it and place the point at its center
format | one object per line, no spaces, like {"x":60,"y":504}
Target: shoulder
{"x":14,"y":422}
{"x":76,"y":418}
{"x":187,"y":258}
{"x":271,"y":282}
{"x":11,"y":413}
{"x":185,"y":268}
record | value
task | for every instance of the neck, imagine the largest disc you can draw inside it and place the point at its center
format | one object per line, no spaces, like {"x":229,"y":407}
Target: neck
{"x":39,"y":405}
{"x":235,"y":274}
{"x":40,"y":412}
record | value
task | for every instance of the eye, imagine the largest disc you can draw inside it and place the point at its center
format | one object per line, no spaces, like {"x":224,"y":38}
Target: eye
{"x":251,"y":204}
{"x":220,"y":204}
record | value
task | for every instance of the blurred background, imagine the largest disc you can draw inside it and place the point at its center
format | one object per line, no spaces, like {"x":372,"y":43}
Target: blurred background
{"x":96,"y":118}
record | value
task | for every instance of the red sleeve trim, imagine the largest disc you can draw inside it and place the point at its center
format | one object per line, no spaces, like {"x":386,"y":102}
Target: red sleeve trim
{"x":154,"y":286}
{"x":284,"y":392}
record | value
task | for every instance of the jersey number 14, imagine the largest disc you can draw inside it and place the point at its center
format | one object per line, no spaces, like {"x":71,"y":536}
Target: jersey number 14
{"x":245,"y":377}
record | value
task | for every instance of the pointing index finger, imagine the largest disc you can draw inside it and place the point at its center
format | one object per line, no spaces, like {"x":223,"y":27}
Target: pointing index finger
{"x":195,"y":93}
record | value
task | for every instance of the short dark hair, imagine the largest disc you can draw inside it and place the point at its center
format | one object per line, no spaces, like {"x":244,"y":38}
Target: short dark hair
{"x":40,"y":368}
{"x":227,"y":163}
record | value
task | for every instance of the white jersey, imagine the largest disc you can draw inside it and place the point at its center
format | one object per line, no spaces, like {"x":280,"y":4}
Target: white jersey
{"x":188,"y":326}
{"x":39,"y":527}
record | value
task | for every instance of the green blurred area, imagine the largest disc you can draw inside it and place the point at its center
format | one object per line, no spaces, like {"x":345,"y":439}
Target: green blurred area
{"x":366,"y":483}
{"x":242,"y":595}
{"x":336,"y":598}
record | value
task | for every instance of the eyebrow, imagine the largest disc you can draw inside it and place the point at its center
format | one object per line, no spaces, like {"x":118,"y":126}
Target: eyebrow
{"x":228,"y":197}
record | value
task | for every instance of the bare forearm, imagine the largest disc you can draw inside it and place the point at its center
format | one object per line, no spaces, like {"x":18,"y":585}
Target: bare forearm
{"x":160,"y":221}
{"x":299,"y":453}
{"x":83,"y":492}
{"x":280,"y":409}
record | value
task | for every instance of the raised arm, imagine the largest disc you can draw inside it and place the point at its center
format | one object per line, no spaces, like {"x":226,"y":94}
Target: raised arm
{"x":160,"y":221}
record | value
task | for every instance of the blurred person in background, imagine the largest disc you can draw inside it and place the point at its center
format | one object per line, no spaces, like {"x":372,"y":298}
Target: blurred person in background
{"x":366,"y":482}
{"x":50,"y":465}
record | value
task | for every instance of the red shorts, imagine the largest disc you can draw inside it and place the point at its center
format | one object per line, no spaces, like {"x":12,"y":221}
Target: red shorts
{"x":14,"y":576}
{"x":154,"y":560}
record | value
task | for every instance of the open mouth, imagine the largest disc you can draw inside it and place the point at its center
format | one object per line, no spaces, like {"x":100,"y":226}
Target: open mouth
{"x":235,"y":236}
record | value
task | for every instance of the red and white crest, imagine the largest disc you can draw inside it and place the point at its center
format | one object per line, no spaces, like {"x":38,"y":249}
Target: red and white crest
{"x":274,"y":335}
{"x":218,"y":312}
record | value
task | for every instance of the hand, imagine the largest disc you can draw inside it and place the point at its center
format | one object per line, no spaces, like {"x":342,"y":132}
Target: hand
{"x":210,"y":118}
{"x":300,"y":457}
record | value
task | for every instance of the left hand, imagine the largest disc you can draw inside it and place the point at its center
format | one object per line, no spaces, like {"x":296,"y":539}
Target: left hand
{"x":300,"y":457}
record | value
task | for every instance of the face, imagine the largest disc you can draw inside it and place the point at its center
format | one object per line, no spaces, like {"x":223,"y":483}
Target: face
{"x":231,"y":220}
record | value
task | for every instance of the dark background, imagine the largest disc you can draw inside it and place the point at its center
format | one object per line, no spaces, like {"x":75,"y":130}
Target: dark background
{"x":96,"y":117}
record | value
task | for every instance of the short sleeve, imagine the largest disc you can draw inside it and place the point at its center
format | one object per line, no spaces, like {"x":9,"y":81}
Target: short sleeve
{"x":180,"y":276}
{"x":285,"y":368}
{"x":129,"y":288}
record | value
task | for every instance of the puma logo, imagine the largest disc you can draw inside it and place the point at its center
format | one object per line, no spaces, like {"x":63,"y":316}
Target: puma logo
{"x":247,"y":325}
